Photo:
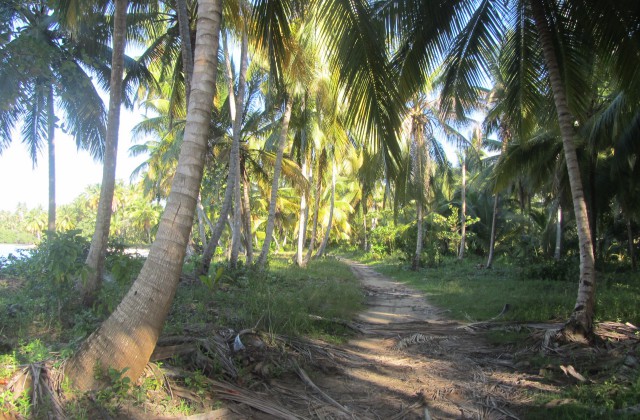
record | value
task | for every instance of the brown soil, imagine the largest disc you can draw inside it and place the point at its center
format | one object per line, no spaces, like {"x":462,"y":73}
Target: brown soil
{"x":407,"y":362}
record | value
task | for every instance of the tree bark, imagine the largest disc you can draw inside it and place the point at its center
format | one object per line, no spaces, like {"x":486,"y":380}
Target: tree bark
{"x":558,"y":249}
{"x":246,"y":212}
{"x":492,"y":239}
{"x":632,"y":254}
{"x":51,"y":132}
{"x":271,"y":220}
{"x":580,"y":324}
{"x":316,"y":211}
{"x":236,"y":224}
{"x":185,"y":45}
{"x":463,"y":210}
{"x":302,"y":217}
{"x":98,"y":250}
{"x":127,"y":338}
{"x":325,"y":240}
{"x":419,"y":219}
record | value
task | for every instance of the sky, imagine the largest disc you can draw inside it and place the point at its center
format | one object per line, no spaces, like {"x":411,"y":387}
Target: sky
{"x":75,"y":170}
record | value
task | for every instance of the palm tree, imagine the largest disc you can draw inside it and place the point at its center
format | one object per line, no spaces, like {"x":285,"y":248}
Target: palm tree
{"x":466,"y":32}
{"x":40,"y":63}
{"x":127,"y":338}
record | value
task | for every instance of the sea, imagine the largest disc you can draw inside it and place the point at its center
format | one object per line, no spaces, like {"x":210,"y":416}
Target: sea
{"x":6,"y":249}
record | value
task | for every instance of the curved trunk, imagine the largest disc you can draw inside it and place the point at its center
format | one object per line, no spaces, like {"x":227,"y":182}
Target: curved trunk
{"x":229,"y":195}
{"x":463,"y":212}
{"x":492,"y":240}
{"x":127,"y":338}
{"x":51,"y":132}
{"x":580,"y":325}
{"x":325,"y":240}
{"x":271,"y":220}
{"x":98,"y":249}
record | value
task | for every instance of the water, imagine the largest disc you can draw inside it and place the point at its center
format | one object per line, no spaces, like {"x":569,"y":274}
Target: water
{"x":6,"y":249}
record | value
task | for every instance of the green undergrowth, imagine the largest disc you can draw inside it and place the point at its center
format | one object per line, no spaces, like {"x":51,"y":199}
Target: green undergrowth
{"x":281,"y":300}
{"x":470,"y":292}
{"x":537,"y":293}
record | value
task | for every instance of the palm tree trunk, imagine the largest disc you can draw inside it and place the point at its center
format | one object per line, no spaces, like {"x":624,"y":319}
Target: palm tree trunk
{"x":271,"y":220}
{"x":316,"y":211}
{"x":127,"y":338}
{"x":463,"y":212}
{"x":229,"y":193}
{"x":632,"y":254}
{"x":98,"y":249}
{"x":327,"y":233}
{"x":419,"y":218}
{"x":492,"y":240}
{"x":580,"y":324}
{"x":185,"y":45}
{"x":51,"y":131}
{"x":558,"y":248}
{"x":246,"y":213}
{"x":201,"y":221}
{"x":236,"y":225}
{"x":302,"y":218}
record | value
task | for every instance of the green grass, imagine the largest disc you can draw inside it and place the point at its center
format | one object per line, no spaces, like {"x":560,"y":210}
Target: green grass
{"x":472,"y":293}
{"x":279,"y":300}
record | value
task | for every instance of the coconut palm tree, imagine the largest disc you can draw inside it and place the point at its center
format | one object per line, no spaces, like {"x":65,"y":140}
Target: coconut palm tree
{"x":465,"y":33}
{"x":42,"y":63}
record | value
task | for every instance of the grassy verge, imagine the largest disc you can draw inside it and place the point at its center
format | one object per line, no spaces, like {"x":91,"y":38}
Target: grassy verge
{"x":473,"y":293}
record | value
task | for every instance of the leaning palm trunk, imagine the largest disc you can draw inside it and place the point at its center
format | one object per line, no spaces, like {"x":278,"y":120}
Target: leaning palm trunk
{"x":232,"y":179}
{"x":463,"y":212}
{"x":325,"y":240}
{"x":51,"y":131}
{"x":98,"y":249}
{"x":580,"y":324}
{"x":127,"y":338}
{"x":185,"y":45}
{"x":271,"y":219}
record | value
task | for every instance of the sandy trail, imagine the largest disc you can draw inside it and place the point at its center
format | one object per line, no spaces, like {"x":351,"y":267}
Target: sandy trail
{"x":410,"y":362}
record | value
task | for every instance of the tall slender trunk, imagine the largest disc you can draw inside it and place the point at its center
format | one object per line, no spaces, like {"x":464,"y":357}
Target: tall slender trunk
{"x":632,"y":254}
{"x":558,"y":249}
{"x":127,"y":338}
{"x":236,"y":223}
{"x":302,"y":218}
{"x":419,"y":219}
{"x":271,"y":220}
{"x":201,"y":222}
{"x":246,"y":212}
{"x":51,"y":132}
{"x":463,"y":212}
{"x":365,"y":238}
{"x":316,"y":211}
{"x":98,"y":249}
{"x":229,"y":193}
{"x":580,"y":324}
{"x":327,"y":233}
{"x":492,"y":239}
{"x":185,"y":45}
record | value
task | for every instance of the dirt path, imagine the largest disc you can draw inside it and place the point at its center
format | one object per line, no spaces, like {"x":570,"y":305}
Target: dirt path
{"x":410,"y":362}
